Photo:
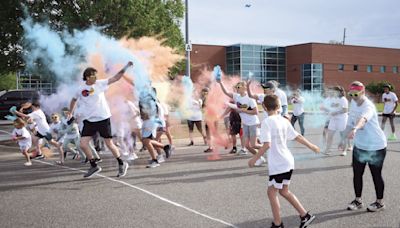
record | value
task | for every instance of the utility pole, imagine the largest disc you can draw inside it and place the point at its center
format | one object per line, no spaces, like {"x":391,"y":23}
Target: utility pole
{"x":344,"y":36}
{"x":188,"y":45}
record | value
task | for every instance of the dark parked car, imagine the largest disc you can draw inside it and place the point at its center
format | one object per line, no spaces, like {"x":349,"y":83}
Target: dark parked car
{"x":15,"y":98}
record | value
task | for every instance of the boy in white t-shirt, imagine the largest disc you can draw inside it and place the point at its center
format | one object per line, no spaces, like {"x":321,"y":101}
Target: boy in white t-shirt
{"x":43,"y":128}
{"x":23,"y":137}
{"x":390,"y":104}
{"x":298,"y":110}
{"x":96,"y":114}
{"x":275,"y":131}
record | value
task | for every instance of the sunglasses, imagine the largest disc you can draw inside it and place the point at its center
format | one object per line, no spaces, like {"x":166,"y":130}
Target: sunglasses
{"x":354,"y":94}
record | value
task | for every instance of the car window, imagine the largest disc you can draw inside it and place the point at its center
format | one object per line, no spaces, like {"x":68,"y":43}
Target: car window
{"x":12,"y":96}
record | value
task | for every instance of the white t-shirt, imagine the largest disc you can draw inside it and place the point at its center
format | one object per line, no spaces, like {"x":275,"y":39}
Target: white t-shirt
{"x":389,"y":99}
{"x":370,"y":137}
{"x":56,"y":129}
{"x":93,"y":103}
{"x":298,"y":105}
{"x":136,"y":121}
{"x":282,"y":96}
{"x":71,"y":131}
{"x":277,"y":130}
{"x":338,"y":122}
{"x":246,"y":103}
{"x":27,"y":141}
{"x":40,"y":119}
{"x":195,"y":113}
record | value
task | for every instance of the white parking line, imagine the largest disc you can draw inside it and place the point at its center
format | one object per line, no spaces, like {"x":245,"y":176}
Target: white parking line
{"x":147,"y":192}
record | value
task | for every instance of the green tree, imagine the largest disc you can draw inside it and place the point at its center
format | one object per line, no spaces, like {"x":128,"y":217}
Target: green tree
{"x":376,"y":88}
{"x":117,"y":18}
{"x":8,"y":81}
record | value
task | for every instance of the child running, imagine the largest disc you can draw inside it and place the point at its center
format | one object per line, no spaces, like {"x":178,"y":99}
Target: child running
{"x":23,"y":137}
{"x":96,"y":116}
{"x":275,"y":131}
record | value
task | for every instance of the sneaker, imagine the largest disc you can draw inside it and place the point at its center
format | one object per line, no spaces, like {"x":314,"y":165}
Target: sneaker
{"x":160,"y":159}
{"x":92,"y":171}
{"x":27,"y":163}
{"x":392,"y":137}
{"x":242,"y":152}
{"x":98,"y":160}
{"x":153,"y":164}
{"x":344,"y":153}
{"x":208,"y":150}
{"x":167,"y":150}
{"x":376,"y":206}
{"x":38,"y":157}
{"x":326,"y":152}
{"x":350,"y":148}
{"x":122,"y":169}
{"x":233,"y":151}
{"x":191,"y":143}
{"x":132,"y":157}
{"x":260,"y":161}
{"x":355,"y":205}
{"x":306,"y":220}
{"x":276,"y":226}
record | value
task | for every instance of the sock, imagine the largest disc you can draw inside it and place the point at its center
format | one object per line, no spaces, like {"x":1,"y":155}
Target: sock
{"x":120,"y":162}
{"x":155,"y":160}
{"x":234,"y":148}
{"x":93,"y":163}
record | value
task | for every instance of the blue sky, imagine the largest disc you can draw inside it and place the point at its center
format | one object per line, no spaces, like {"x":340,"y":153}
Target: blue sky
{"x":286,"y":22}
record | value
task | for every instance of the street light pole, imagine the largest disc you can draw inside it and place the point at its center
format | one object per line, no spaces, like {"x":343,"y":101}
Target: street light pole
{"x":187,"y":45}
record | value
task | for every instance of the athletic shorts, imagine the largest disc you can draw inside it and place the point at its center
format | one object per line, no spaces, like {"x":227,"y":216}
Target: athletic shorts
{"x":91,"y":128}
{"x":389,"y":115}
{"x":250,"y":131}
{"x":46,"y":136}
{"x":278,"y":180}
{"x":234,"y":128}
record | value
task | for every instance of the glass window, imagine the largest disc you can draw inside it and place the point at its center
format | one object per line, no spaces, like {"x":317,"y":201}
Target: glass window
{"x":341,"y":67}
{"x":317,"y":80}
{"x":355,"y":67}
{"x":307,"y":80}
{"x":395,"y":69}
{"x":317,"y":73}
{"x":369,"y":68}
{"x":306,"y":66}
{"x":271,"y":55}
{"x":236,"y":67}
{"x":247,"y":48}
{"x":383,"y":69}
{"x":247,"y":60}
{"x":307,"y":73}
{"x":307,"y":86}
{"x":272,"y":68}
{"x":317,"y":66}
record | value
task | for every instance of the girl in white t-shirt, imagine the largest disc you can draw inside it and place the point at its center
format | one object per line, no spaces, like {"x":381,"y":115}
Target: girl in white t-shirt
{"x":298,"y":110}
{"x":338,"y":116}
{"x":23,"y":137}
{"x":389,"y":109}
{"x":248,"y":111}
{"x":275,"y":131}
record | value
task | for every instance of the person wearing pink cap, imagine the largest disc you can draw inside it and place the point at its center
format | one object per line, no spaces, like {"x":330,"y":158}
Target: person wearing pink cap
{"x":369,"y":146}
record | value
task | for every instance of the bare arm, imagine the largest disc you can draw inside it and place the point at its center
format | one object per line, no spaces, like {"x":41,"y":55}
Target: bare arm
{"x":127,"y":79}
{"x":249,"y":93}
{"x":72,"y":107}
{"x":360,"y":123}
{"x":119,"y":75}
{"x":224,"y":90}
{"x":395,"y":106}
{"x":307,"y":143}
{"x":254,"y":111}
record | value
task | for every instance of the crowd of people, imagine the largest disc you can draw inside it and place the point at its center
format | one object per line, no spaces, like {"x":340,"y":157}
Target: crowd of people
{"x":78,"y":126}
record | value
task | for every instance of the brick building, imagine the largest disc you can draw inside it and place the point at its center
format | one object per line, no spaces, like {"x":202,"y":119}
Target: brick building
{"x":309,"y":66}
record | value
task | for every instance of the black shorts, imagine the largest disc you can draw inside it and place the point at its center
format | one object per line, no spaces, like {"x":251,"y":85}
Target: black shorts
{"x":388,"y":115}
{"x":47,"y":136}
{"x":234,"y":128}
{"x":281,"y":176}
{"x":151,"y":137}
{"x":91,"y":128}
